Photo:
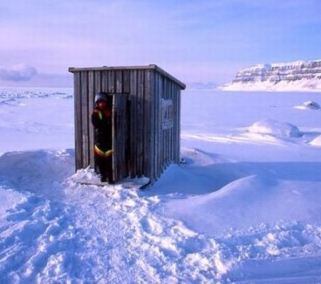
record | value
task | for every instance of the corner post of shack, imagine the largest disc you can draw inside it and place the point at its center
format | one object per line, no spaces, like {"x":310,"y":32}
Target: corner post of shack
{"x":146,"y":124}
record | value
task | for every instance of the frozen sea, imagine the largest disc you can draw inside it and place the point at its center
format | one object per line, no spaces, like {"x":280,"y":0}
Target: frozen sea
{"x":244,"y":207}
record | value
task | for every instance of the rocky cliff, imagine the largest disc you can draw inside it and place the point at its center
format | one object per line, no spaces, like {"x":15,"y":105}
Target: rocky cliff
{"x":299,"y":75}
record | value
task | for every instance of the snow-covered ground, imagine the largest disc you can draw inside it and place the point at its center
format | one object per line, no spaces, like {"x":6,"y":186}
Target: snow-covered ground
{"x":245,"y":206}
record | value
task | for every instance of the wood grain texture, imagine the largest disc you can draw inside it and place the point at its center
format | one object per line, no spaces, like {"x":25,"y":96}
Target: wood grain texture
{"x":119,"y":81}
{"x":140,"y":124}
{"x":119,"y":136}
{"x":133,"y":97}
{"x":147,"y":124}
{"x":144,"y":145}
{"x":91,"y":105}
{"x":111,"y":82}
{"x":85,"y":119}
{"x":141,"y":67}
{"x":77,"y":121}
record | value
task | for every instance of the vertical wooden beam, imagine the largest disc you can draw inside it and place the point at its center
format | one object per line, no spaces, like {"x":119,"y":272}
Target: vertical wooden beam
{"x":119,"y":81}
{"x":119,"y":136}
{"x":176,"y":124}
{"x":98,"y":88}
{"x":140,"y":123}
{"x":133,"y":97}
{"x":111,"y":82}
{"x":165,"y":130}
{"x":157,"y":122}
{"x":147,"y":122}
{"x":91,"y":98}
{"x":126,"y":81}
{"x":77,"y":120}
{"x":150,"y":124}
{"x":173,"y":128}
{"x":104,"y":81}
{"x":179,"y":124}
{"x":98,"y":82}
{"x":85,"y":118}
{"x":163,"y":148}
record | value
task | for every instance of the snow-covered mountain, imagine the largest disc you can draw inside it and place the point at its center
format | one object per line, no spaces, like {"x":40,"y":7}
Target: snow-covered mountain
{"x":292,"y":76}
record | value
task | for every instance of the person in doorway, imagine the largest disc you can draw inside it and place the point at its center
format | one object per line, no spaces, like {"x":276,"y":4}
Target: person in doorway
{"x":102,"y":121}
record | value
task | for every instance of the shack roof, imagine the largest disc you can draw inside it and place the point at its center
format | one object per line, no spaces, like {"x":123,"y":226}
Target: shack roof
{"x":142,"y":67}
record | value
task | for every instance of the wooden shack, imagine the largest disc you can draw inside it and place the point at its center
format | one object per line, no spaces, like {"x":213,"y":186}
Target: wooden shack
{"x":146,"y":118}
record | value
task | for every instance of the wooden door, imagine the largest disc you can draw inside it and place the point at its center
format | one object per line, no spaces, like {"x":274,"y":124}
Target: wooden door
{"x":120,"y":136}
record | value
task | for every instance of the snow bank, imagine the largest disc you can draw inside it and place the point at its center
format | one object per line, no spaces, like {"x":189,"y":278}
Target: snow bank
{"x":9,"y":200}
{"x":237,"y":210}
{"x":248,"y":202}
{"x":316,"y":141}
{"x":275,"y":128}
{"x":308,"y":105}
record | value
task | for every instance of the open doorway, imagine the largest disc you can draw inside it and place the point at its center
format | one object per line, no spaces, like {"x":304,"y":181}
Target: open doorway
{"x":110,"y":122}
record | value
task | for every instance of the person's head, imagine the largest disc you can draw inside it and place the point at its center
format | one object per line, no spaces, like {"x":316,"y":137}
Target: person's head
{"x":101,"y":100}
{"x":101,"y":104}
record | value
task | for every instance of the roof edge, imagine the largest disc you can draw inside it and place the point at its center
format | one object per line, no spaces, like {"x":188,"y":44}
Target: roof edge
{"x":140,"y":67}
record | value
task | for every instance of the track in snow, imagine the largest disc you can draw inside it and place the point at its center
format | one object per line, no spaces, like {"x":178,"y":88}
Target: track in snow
{"x":58,"y":230}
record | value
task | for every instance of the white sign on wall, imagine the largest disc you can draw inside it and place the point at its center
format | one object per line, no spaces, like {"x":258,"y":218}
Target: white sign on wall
{"x":167,"y":113}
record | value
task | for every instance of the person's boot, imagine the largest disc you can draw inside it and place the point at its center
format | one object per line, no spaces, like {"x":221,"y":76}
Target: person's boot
{"x":110,"y":179}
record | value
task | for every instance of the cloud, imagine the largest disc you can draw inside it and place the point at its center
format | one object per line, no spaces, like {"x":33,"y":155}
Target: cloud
{"x":20,"y":72}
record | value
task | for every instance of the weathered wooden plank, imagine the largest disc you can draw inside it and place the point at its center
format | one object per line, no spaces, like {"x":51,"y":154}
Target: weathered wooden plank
{"x":98,"y":88}
{"x":98,"y":80}
{"x":104,"y":81}
{"x":156,"y":131}
{"x":149,"y":148}
{"x":119,"y":81}
{"x":77,"y":120}
{"x":114,"y":140}
{"x":91,"y":104}
{"x":158,"y":123}
{"x":111,"y":82}
{"x":126,"y":81}
{"x":147,"y":67}
{"x":162,"y":153}
{"x":140,"y":123}
{"x":152,"y":124}
{"x":119,"y":136}
{"x":179,"y":124}
{"x":133,"y":124}
{"x":147,"y":124}
{"x":161,"y":141}
{"x":85,"y":118}
{"x":176,"y":125}
{"x":160,"y":131}
{"x":173,"y":128}
{"x":127,"y":141}
{"x":167,"y":130}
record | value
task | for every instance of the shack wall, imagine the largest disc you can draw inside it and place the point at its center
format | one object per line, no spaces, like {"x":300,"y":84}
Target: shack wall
{"x":151,"y":146}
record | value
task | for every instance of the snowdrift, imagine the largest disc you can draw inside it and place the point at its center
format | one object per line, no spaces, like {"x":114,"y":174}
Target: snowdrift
{"x":316,"y":141}
{"x":282,"y":130}
{"x":248,"y":202}
{"x":308,"y":105}
{"x":243,"y":207}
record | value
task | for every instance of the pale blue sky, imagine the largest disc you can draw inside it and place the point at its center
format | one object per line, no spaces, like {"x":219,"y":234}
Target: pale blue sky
{"x":193,"y":40}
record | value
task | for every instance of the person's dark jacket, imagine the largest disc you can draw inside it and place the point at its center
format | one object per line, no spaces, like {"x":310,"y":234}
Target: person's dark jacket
{"x":102,"y":122}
